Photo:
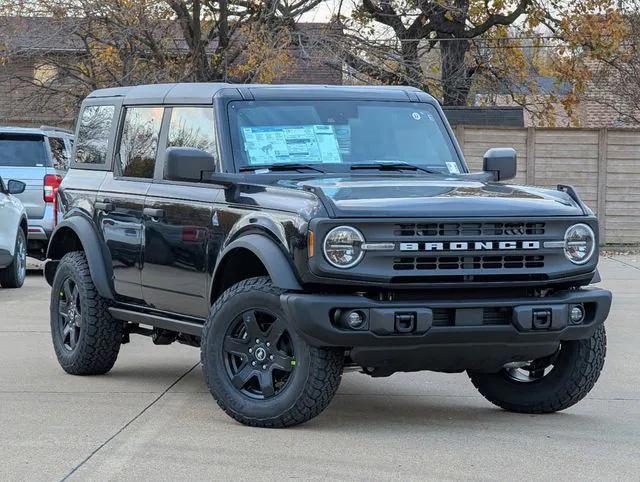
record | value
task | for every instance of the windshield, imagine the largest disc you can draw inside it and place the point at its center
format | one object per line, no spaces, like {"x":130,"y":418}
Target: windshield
{"x":340,"y":134}
{"x":22,"y":150}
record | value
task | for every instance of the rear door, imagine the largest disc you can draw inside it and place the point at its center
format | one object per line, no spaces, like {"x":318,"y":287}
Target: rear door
{"x":120,"y":201}
{"x":182,"y":235}
{"x":25,"y":157}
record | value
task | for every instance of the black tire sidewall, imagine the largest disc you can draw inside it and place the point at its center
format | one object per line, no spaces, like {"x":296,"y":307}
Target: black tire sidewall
{"x":68,"y":268}
{"x":10,"y":277}
{"x":214,"y":366}
{"x":65,"y":270}
{"x":563,"y":386}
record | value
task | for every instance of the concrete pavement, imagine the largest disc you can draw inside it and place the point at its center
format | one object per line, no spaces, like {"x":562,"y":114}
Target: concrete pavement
{"x":153,"y":418}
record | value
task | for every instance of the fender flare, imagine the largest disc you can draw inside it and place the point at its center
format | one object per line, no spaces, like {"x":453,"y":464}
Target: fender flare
{"x":95,"y":251}
{"x":269,"y":254}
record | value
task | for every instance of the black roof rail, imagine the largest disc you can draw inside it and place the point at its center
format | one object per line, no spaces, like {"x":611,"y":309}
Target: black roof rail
{"x":59,"y":129}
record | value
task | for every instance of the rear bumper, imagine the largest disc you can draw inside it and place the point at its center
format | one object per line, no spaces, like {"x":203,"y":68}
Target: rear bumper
{"x":463,"y":341}
{"x":40,"y":229}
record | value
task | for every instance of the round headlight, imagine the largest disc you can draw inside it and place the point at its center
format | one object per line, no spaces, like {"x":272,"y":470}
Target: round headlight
{"x":579,"y":243}
{"x":343,"y":247}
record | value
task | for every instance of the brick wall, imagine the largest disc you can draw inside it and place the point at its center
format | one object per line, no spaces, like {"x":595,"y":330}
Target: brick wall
{"x":22,"y":104}
{"x":19,"y":105}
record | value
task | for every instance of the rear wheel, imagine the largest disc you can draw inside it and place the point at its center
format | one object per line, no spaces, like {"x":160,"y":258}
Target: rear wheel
{"x":256,"y":366}
{"x":85,"y":337}
{"x":13,"y":275}
{"x":548,"y":384}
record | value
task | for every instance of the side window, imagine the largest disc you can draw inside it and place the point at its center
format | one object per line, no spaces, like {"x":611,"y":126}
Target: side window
{"x":139,"y":141}
{"x":59,"y":152}
{"x":93,"y":134}
{"x":192,"y":127}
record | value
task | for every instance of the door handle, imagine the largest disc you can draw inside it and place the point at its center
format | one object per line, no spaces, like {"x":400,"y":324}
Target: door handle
{"x":105,"y":205}
{"x":153,"y":213}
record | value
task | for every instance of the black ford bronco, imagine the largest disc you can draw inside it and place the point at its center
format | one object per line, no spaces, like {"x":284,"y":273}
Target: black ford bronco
{"x":291,"y":232}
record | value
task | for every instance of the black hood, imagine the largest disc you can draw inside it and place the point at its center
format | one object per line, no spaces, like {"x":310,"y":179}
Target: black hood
{"x":402,"y":196}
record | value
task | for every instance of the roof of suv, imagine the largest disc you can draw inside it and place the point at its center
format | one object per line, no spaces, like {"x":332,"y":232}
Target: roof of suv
{"x":205,"y":92}
{"x":43,"y":131}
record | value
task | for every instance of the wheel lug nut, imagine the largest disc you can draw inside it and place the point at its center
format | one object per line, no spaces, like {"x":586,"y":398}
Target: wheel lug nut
{"x":270,"y":357}
{"x":268,"y":344}
{"x":264,"y":367}
{"x":257,"y":340}
{"x":253,"y":363}
{"x":250,"y":350}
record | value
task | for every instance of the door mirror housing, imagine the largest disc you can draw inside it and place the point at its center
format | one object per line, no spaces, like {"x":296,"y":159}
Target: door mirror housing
{"x":15,"y":187}
{"x":187,"y":164}
{"x":501,"y":162}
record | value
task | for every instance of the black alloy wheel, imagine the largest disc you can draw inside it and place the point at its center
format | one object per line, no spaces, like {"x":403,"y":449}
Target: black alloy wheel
{"x":85,"y":337}
{"x":533,"y":370}
{"x":69,"y":314}
{"x":258,"y":367}
{"x":259,"y":355}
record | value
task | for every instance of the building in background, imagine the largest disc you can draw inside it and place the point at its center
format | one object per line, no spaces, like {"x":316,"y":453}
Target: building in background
{"x":32,"y":47}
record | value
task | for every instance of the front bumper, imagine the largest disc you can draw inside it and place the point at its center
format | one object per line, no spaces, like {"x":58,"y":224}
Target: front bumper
{"x":6,"y":258}
{"x":463,"y":340}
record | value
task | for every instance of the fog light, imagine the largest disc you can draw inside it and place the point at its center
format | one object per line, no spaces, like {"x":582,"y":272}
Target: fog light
{"x":355,"y":319}
{"x":576,"y":314}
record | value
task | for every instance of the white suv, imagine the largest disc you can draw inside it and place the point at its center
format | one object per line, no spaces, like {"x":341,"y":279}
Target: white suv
{"x":13,"y":235}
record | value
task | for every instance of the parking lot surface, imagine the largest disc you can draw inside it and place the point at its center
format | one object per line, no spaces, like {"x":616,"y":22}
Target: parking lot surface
{"x":152,"y":417}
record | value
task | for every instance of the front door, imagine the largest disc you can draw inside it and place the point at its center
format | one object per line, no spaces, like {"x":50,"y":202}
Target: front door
{"x":120,"y":202}
{"x":181,"y":229}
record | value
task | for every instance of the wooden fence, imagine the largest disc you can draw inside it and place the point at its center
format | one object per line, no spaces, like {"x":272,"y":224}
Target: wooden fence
{"x":602,"y":164}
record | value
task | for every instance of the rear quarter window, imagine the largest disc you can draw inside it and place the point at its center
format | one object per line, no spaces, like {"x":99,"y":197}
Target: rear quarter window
{"x":93,"y":134}
{"x":22,"y":150}
{"x":59,"y":153}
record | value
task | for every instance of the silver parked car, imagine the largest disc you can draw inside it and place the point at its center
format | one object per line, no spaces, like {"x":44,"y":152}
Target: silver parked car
{"x":39,"y":158}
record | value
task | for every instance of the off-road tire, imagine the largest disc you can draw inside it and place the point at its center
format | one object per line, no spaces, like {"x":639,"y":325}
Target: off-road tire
{"x":578,"y":367}
{"x":100,"y":335}
{"x":13,"y":275}
{"x":314,"y":381}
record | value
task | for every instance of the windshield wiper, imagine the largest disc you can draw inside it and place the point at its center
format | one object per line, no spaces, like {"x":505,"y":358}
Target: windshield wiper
{"x":280,"y":167}
{"x":392,"y":166}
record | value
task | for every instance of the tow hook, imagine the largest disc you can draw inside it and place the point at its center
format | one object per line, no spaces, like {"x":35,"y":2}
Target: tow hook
{"x":541,"y":319}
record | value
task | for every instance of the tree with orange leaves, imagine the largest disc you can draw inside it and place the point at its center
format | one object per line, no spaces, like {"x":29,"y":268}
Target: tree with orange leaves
{"x":458,"y":48}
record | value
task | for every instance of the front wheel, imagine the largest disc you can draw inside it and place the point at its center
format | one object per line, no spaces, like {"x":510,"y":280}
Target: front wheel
{"x":13,"y":275}
{"x":549,"y":384}
{"x":259,"y":370}
{"x":85,"y":337}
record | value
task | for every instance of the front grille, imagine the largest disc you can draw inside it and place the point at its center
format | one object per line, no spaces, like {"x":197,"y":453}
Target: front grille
{"x":490,"y":316}
{"x":410,"y":263}
{"x":460,"y":230}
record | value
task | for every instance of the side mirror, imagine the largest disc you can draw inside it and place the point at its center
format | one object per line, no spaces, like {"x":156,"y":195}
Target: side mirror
{"x":502,"y":162}
{"x":187,"y":164}
{"x":15,"y":187}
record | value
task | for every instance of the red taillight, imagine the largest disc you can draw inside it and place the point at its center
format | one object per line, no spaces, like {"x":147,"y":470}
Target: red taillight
{"x":51,"y":183}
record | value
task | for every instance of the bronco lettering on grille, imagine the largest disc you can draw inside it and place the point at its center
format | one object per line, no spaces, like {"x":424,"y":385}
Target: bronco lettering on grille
{"x":470,"y":246}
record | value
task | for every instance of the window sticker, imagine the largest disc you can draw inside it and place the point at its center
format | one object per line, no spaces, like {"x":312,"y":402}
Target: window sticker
{"x":282,"y":144}
{"x":416,"y":116}
{"x":343,"y":136}
{"x":453,"y":168}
